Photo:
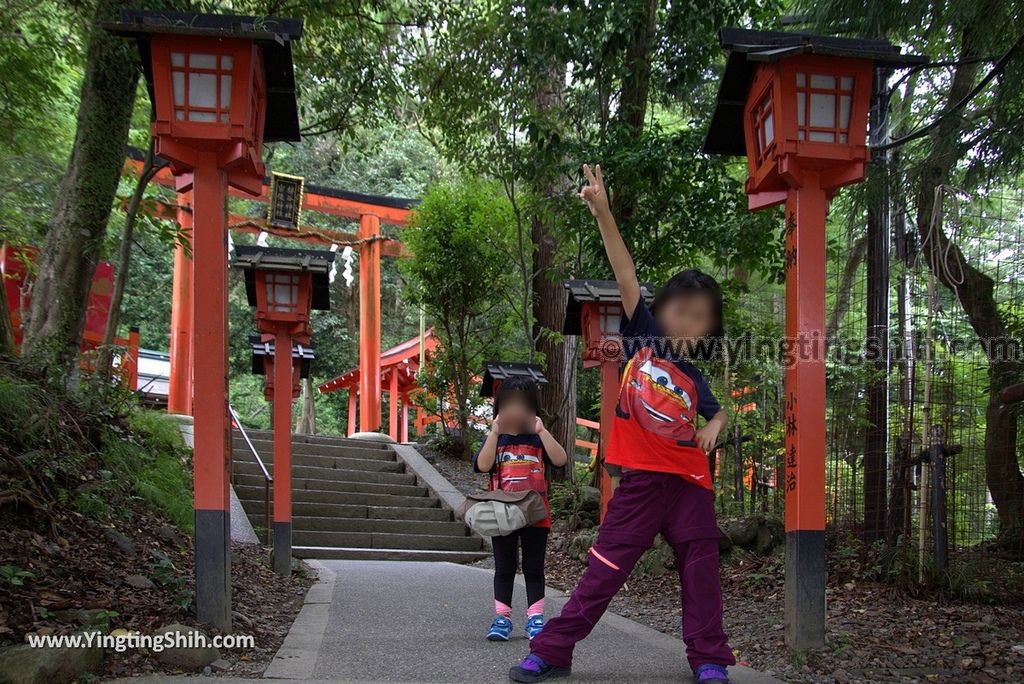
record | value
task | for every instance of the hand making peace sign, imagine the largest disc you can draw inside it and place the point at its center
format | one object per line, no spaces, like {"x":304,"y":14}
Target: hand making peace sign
{"x":593,"y":193}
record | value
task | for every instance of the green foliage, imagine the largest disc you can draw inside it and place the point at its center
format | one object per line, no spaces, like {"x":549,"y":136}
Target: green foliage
{"x":14,"y":576}
{"x":162,"y":467}
{"x":461,"y":235}
{"x":167,"y":575}
{"x":571,"y":506}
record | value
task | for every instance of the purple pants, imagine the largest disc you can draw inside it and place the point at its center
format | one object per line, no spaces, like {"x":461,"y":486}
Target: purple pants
{"x":645,"y":504}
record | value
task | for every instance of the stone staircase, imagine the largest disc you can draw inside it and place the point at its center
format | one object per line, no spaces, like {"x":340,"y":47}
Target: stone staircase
{"x":353,"y":500}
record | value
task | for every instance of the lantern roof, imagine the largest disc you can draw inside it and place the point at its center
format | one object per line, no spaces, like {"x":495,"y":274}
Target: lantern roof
{"x":747,"y":48}
{"x":264,"y":348}
{"x":589,"y":291}
{"x":273,"y":34}
{"x":501,"y":371}
{"x":252,"y":258}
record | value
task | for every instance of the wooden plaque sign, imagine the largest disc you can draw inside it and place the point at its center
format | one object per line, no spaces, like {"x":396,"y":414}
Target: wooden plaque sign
{"x":285,"y":203}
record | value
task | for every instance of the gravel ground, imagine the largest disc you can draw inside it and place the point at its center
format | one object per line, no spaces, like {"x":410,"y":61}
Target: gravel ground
{"x":876,"y":633}
{"x":458,"y":472}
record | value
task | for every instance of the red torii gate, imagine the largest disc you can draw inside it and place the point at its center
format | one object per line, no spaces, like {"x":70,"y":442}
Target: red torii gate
{"x":369,"y":210}
{"x":398,"y":368}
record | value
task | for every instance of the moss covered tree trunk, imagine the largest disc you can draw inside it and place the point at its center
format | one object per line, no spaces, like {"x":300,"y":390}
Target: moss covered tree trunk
{"x":68,"y":260}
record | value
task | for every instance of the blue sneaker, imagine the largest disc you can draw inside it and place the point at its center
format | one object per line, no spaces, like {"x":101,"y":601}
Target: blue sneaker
{"x":534,"y":625}
{"x":534,"y":669}
{"x":712,"y":674}
{"x":501,"y":629}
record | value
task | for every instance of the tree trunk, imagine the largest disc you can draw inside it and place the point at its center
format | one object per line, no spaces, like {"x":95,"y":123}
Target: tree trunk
{"x":632,"y":109}
{"x":7,"y":347}
{"x":854,"y":258}
{"x":306,"y":423}
{"x":976,"y":295}
{"x":124,"y":257}
{"x":68,"y":260}
{"x":558,"y":398}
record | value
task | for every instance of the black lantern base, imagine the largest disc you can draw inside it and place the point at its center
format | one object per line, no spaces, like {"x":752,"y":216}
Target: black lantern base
{"x":213,"y":568}
{"x":805,"y":589}
{"x":283,"y":548}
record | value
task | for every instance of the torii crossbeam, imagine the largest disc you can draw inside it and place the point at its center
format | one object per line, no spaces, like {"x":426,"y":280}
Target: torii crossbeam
{"x":370,"y":210}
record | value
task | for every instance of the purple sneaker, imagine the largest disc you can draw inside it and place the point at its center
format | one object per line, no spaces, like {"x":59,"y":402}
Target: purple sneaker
{"x":709,"y":673}
{"x":534,"y":669}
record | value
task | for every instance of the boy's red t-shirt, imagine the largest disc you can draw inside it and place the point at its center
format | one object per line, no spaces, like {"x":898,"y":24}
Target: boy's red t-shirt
{"x":519,"y":463}
{"x":660,"y":397}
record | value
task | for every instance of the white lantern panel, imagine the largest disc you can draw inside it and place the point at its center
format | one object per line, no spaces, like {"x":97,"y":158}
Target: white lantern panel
{"x":823,"y":110}
{"x":225,"y":91}
{"x":178,"y":59}
{"x":178,"y":85}
{"x":202,"y":90}
{"x":845,"y":102}
{"x":822,"y":81}
{"x":198,"y":60}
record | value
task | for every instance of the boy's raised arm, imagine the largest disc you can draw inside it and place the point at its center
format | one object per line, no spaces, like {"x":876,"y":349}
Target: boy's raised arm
{"x":596,"y":198}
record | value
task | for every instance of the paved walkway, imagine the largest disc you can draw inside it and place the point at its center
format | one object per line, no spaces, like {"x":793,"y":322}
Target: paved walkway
{"x":376,"y":621}
{"x":412,"y":622}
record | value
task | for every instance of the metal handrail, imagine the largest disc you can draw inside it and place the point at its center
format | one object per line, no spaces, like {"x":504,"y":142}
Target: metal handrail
{"x":267,"y":477}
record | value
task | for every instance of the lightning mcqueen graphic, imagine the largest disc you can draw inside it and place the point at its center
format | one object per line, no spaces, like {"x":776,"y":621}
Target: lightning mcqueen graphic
{"x":660,"y":397}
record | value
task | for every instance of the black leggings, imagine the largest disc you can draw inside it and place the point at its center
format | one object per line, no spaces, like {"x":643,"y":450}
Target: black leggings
{"x":506,"y":561}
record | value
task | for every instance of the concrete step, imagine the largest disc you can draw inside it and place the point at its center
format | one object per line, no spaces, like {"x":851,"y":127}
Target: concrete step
{"x":331,"y":462}
{"x":386,"y":540}
{"x":266,"y":450}
{"x":330,"y":440}
{"x":254,"y":493}
{"x":254,"y":508}
{"x":325,"y":524}
{"x":348,"y":553}
{"x":329,"y":474}
{"x":338,"y":485}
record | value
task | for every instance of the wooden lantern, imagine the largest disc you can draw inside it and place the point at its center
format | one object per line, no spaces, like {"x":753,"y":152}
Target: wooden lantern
{"x":594,"y":311}
{"x":219,"y":86}
{"x":801,"y":102}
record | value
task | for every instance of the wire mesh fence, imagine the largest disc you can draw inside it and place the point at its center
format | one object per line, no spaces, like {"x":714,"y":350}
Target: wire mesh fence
{"x":950,"y":462}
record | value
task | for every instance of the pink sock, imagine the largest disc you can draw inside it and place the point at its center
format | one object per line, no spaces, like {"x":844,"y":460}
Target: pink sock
{"x":536,"y":609}
{"x":502,"y":609}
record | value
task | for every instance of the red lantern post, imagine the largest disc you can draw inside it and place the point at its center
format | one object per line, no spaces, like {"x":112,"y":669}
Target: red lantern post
{"x":593,"y":310}
{"x":212,"y":79}
{"x":284,"y":285}
{"x":802,"y":103}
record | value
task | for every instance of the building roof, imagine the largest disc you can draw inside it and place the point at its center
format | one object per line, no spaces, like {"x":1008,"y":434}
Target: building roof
{"x":601,"y":291}
{"x":501,"y":371}
{"x":274,"y":34}
{"x":747,"y":48}
{"x":403,"y":359}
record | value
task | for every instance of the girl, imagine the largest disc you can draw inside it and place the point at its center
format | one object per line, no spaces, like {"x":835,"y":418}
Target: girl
{"x":666,"y":483}
{"x":514,"y":454}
